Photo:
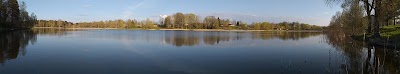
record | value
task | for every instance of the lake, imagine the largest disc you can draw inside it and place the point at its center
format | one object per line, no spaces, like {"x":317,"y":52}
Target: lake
{"x":68,"y":51}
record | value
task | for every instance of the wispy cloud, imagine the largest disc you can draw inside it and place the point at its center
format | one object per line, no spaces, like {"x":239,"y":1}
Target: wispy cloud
{"x":326,"y":13}
{"x":129,"y":11}
{"x":87,"y":5}
{"x":83,"y":15}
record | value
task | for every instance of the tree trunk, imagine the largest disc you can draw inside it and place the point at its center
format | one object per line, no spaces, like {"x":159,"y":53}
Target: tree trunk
{"x":394,"y":21}
{"x":377,"y":18}
{"x":376,"y":25}
{"x":387,"y":22}
{"x":369,"y":30}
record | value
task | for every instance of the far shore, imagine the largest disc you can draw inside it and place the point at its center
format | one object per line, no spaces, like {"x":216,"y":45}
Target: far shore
{"x":184,"y":29}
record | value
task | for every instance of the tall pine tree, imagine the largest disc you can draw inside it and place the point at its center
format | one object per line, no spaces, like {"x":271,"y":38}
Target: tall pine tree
{"x":15,"y":13}
{"x":24,"y":15}
{"x":3,"y":13}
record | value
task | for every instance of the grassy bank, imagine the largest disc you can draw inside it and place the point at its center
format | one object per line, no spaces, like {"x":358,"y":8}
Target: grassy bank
{"x":390,"y":37}
{"x":391,"y":33}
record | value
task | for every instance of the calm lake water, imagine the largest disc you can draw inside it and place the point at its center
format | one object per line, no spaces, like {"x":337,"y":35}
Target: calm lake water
{"x":62,"y":51}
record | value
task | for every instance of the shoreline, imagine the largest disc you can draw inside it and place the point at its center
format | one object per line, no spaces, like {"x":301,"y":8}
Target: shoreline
{"x":376,"y":42}
{"x":71,"y":28}
{"x":383,"y":43}
{"x":183,"y":29}
{"x":11,"y":29}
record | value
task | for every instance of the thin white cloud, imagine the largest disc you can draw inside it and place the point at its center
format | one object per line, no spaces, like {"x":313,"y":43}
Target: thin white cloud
{"x":83,"y":15}
{"x":87,"y":5}
{"x":129,"y":12}
{"x":163,"y":16}
{"x":326,"y":13}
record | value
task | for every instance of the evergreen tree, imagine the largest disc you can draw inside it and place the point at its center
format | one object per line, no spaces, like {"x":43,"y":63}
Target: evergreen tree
{"x":3,"y":13}
{"x":15,"y":13}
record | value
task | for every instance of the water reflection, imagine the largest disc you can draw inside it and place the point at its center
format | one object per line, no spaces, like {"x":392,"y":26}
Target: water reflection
{"x":54,"y":32}
{"x":212,"y":38}
{"x":283,"y":35}
{"x":354,"y":57}
{"x":181,"y":38}
{"x":190,"y":38}
{"x":362,"y":58}
{"x":14,"y":43}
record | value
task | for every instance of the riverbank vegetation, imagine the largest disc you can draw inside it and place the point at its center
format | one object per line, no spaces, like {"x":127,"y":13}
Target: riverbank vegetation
{"x":372,"y":20}
{"x":13,"y":15}
{"x":180,"y":21}
{"x":391,"y":33}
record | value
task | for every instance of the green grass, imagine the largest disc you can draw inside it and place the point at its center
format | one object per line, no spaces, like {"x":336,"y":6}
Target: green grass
{"x":390,"y":30}
{"x":392,"y":33}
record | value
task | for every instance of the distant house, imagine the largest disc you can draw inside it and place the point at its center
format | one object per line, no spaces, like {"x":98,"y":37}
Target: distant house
{"x":154,"y":25}
{"x":277,"y":28}
{"x":230,"y":24}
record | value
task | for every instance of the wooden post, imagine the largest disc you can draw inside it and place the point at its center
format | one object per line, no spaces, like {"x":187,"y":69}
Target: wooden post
{"x":394,"y":21}
{"x":364,"y":36}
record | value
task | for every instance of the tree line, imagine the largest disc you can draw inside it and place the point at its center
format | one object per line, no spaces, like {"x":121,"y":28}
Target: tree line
{"x":284,"y":26}
{"x":180,"y":21}
{"x":14,"y":15}
{"x":364,"y":16}
{"x":128,"y":24}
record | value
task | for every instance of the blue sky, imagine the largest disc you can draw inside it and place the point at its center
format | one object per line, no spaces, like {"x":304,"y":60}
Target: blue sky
{"x":314,"y":12}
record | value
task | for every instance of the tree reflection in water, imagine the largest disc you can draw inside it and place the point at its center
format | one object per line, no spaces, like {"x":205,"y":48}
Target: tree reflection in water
{"x":13,"y":43}
{"x":282,"y":35}
{"x":356,"y":57}
{"x":181,"y":38}
{"x":212,"y":38}
{"x":51,"y":31}
{"x":361,"y":58}
{"x":190,"y":38}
